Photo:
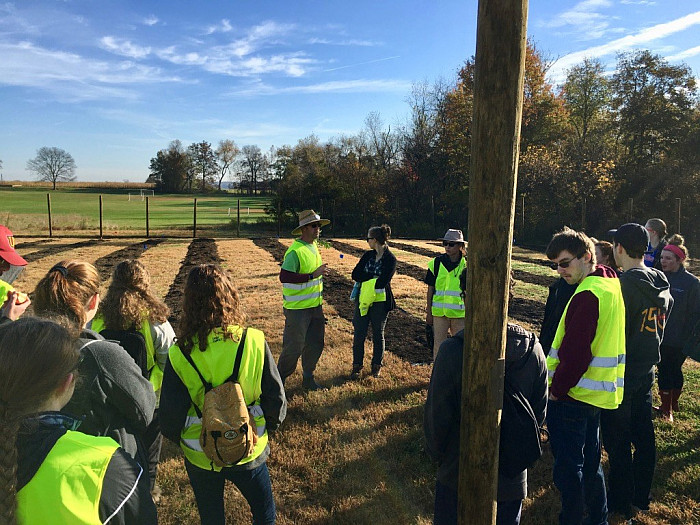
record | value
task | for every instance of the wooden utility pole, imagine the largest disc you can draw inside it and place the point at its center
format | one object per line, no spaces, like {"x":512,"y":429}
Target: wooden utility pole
{"x":498,"y":97}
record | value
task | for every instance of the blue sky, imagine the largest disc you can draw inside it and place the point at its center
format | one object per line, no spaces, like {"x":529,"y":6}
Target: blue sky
{"x":112,"y":82}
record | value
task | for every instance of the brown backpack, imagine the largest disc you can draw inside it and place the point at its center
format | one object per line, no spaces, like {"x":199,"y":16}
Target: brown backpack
{"x":228,"y":431}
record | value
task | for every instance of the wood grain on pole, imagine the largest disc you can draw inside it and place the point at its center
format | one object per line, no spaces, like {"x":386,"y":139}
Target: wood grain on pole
{"x":498,"y":96}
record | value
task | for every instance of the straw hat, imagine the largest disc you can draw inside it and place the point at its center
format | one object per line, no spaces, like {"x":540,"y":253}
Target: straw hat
{"x":307,"y":217}
{"x":453,"y":235}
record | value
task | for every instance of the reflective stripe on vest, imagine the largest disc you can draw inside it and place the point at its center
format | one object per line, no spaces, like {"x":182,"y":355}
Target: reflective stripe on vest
{"x":297,"y":296}
{"x":602,"y":384}
{"x":447,"y":298}
{"x":68,"y":485}
{"x":216,"y":365}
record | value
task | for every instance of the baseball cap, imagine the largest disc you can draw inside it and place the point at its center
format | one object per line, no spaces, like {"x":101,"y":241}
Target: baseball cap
{"x":633,"y":237}
{"x":7,"y":248}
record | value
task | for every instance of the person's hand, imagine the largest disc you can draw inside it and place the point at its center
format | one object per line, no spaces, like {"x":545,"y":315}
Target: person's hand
{"x":11,"y":309}
{"x":429,"y":318}
{"x":321,"y":270}
{"x":552,"y":397}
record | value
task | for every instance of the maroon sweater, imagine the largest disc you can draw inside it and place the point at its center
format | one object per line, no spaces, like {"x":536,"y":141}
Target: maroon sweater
{"x":575,"y":350}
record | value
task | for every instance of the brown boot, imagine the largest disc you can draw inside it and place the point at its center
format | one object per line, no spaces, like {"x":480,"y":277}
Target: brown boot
{"x":675,"y":394}
{"x":666,"y":410}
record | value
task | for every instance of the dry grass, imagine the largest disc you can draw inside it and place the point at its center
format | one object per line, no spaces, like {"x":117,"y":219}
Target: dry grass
{"x":355,"y":454}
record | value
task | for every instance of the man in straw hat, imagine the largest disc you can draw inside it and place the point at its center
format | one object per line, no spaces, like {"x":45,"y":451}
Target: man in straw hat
{"x":12,"y":303}
{"x":302,"y":293}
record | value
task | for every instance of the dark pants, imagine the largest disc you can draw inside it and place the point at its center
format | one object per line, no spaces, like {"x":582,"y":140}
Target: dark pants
{"x":208,"y":487}
{"x":671,"y":368}
{"x":629,"y":478}
{"x":377,"y":315}
{"x":507,"y":512}
{"x":573,"y":436}
{"x":304,"y":335}
{"x":153,"y":440}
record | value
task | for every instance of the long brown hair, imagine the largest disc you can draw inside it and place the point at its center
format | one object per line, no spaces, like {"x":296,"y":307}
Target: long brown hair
{"x":210,"y":301}
{"x":36,"y":355}
{"x":129,"y":299}
{"x":66,"y":291}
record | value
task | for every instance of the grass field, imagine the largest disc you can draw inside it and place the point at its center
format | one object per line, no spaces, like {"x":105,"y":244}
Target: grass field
{"x":77,"y":210}
{"x":354,"y":454}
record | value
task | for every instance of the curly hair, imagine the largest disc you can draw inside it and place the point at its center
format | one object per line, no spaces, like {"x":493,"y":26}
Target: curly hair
{"x":575,"y":242}
{"x":66,"y":291}
{"x":36,"y":355}
{"x":210,"y":301}
{"x":129,"y":299}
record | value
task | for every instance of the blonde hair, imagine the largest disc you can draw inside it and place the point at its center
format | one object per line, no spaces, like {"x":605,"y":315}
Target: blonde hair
{"x":129,"y":299}
{"x":66,"y":290}
{"x":678,"y":240}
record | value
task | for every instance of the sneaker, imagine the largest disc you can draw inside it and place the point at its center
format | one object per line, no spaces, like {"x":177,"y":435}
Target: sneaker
{"x":310,"y":384}
{"x":355,"y":374}
{"x":376,"y":370}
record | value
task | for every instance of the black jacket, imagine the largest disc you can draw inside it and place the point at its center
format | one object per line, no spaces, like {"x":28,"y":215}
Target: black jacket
{"x":111,"y":396}
{"x":443,"y":406}
{"x":383,"y":279}
{"x":648,"y":302}
{"x":685,"y":290}
{"x":559,"y":294}
{"x":126,"y":487}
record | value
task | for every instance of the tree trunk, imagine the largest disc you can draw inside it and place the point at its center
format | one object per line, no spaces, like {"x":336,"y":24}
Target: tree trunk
{"x":498,"y":96}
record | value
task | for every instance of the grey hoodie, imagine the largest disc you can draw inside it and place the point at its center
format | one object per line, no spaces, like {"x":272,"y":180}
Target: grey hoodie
{"x":648,"y":303}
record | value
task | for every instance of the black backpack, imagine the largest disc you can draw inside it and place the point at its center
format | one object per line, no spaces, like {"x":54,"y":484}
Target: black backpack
{"x":134,"y":344}
{"x":521,"y":436}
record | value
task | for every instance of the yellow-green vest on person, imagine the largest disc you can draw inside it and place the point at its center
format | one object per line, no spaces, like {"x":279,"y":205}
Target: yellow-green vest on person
{"x":5,"y":288}
{"x":155,"y":374}
{"x":602,"y":384}
{"x":447,"y":298}
{"x":297,"y":296}
{"x":216,"y":365}
{"x":67,"y":487}
{"x":370,"y":295}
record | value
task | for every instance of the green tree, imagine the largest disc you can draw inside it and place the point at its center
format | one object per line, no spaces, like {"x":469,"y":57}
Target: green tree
{"x":52,"y":165}
{"x":587,"y":97}
{"x":170,"y":167}
{"x":203,"y":162}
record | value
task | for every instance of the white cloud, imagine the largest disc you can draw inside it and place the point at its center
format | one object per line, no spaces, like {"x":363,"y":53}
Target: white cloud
{"x":584,"y":19}
{"x":693,"y":51}
{"x":151,"y":20}
{"x":626,"y":43}
{"x":362,"y":63}
{"x":123,"y":47}
{"x":638,"y":2}
{"x":346,"y":86}
{"x":351,"y":42}
{"x":222,"y":27}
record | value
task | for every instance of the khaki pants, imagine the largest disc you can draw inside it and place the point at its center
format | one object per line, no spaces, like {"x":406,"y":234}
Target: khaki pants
{"x":441,"y":326}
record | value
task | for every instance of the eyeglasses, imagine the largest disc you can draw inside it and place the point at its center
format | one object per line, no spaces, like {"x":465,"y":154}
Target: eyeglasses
{"x":315,"y":225}
{"x":451,"y":244}
{"x":565,"y":264}
{"x":370,"y":239}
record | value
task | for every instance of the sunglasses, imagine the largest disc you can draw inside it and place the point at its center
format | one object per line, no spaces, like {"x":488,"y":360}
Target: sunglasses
{"x":315,"y":225}
{"x":451,"y":244}
{"x":565,"y":264}
{"x":370,"y":239}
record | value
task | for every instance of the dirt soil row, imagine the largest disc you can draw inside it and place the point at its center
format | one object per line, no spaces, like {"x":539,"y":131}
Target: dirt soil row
{"x":411,"y":270}
{"x":415,"y":249}
{"x":404,"y":335}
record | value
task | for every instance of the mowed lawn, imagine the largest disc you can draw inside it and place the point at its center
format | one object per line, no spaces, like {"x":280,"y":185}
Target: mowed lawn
{"x":355,"y":454}
{"x":25,"y":211}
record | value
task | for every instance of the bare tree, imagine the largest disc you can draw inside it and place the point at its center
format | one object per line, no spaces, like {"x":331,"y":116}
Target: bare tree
{"x":52,"y":165}
{"x":226,"y":155}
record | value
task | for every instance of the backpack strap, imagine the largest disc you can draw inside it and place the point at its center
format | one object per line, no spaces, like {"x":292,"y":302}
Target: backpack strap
{"x":234,"y":375}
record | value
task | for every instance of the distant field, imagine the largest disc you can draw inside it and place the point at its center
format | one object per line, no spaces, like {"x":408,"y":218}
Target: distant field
{"x":25,"y":211}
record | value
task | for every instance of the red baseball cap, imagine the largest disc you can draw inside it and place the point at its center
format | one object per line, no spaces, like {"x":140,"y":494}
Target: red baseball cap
{"x":7,"y":248}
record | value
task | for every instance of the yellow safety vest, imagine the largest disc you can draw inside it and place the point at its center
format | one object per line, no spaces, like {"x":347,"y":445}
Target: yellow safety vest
{"x":602,"y":384}
{"x":5,"y":288}
{"x":67,"y":487}
{"x":370,"y":295}
{"x":297,"y":296}
{"x":447,"y":298}
{"x":216,"y":365}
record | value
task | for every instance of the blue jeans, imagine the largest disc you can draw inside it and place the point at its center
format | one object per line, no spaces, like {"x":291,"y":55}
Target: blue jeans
{"x":208,"y":487}
{"x":507,"y":512}
{"x":377,"y":315}
{"x":578,"y":474}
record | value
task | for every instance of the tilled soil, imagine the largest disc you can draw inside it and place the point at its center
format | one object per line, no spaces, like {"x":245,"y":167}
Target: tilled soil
{"x":404,"y":333}
{"x":106,"y":264}
{"x":403,"y":268}
{"x":415,"y":249}
{"x":200,"y":251}
{"x":51,"y":250}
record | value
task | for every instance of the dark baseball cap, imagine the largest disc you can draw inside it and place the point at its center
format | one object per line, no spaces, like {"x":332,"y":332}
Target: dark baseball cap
{"x":633,"y":237}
